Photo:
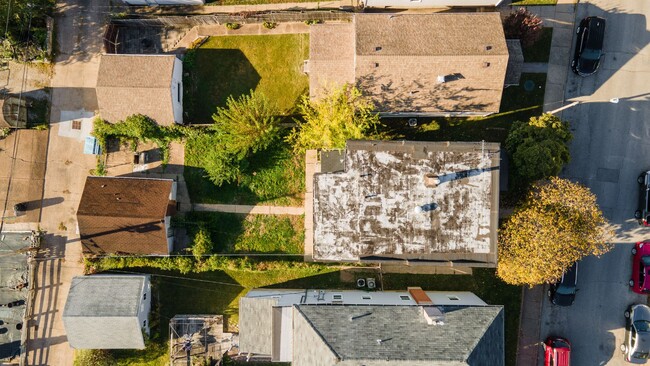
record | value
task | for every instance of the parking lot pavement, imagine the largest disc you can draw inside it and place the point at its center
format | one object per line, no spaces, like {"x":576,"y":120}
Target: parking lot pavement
{"x":611,"y":146}
{"x":22,"y":158}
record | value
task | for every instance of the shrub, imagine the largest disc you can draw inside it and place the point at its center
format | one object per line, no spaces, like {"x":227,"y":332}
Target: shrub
{"x":233,"y":26}
{"x":539,"y":147}
{"x":313,"y":21}
{"x":269,"y":25}
{"x":524,"y":25}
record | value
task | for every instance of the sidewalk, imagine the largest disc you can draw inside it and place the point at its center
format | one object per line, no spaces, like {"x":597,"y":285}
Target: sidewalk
{"x":529,"y":341}
{"x":561,"y":17}
{"x":249,"y":209}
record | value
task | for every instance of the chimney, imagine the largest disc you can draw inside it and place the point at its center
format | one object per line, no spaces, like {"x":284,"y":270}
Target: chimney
{"x":420,"y":297}
{"x":433,"y":315}
{"x":431,"y":180}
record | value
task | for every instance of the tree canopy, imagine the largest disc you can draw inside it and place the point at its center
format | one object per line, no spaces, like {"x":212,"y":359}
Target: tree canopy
{"x":539,"y":147}
{"x":523,"y":25}
{"x":246,"y":125}
{"x":557,"y":224}
{"x":343,"y":114}
{"x":25,"y":25}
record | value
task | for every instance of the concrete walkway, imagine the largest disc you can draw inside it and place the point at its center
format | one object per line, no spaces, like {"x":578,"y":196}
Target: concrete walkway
{"x":561,"y":18}
{"x":249,"y":209}
{"x":535,"y":67}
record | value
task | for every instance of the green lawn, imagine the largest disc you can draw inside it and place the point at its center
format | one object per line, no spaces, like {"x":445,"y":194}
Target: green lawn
{"x":274,"y":177}
{"x":234,"y":65}
{"x":540,"y":50}
{"x":517,"y":104}
{"x":237,"y":233}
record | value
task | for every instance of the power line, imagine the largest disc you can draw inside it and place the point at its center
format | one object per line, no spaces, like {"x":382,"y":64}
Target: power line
{"x":182,"y":278}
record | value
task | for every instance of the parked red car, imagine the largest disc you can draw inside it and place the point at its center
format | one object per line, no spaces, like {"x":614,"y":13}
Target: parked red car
{"x":557,"y":352}
{"x":640,"y":282}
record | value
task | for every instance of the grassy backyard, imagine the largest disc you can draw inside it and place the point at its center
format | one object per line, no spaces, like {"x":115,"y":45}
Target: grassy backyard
{"x":237,"y":233}
{"x":518,"y":103}
{"x":275,"y":177}
{"x":234,"y":65}
{"x":218,"y":293}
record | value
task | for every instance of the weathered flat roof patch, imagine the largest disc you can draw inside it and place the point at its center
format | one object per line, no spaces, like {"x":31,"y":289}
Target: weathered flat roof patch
{"x":434,"y":201}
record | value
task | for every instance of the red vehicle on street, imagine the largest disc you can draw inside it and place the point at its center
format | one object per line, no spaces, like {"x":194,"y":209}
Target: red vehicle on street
{"x":557,"y":352}
{"x":640,"y":282}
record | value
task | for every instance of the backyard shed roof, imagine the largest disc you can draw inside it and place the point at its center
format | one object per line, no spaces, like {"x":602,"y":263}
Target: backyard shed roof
{"x":101,"y":311}
{"x":120,"y":214}
{"x":415,"y":63}
{"x":400,"y":335}
{"x":383,"y":206}
{"x":130,"y":84}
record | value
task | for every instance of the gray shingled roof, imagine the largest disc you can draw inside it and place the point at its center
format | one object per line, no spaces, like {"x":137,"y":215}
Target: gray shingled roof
{"x":256,"y":325}
{"x":399,"y":60}
{"x":130,"y":84}
{"x":101,"y":311}
{"x":105,"y":295}
{"x":407,"y":336}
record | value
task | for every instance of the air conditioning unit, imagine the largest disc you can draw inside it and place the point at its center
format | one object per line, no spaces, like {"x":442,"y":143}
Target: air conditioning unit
{"x":361,"y":283}
{"x":370,"y":282}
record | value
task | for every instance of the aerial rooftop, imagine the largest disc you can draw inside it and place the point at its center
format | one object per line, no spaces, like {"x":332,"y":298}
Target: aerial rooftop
{"x":405,"y":200}
{"x":414,"y":64}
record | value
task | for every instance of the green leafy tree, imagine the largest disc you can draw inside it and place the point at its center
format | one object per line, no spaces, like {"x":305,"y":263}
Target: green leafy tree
{"x":24,"y":28}
{"x":247,"y":124}
{"x":523,"y":25}
{"x":539,"y":147}
{"x":557,"y":224}
{"x":343,"y":114}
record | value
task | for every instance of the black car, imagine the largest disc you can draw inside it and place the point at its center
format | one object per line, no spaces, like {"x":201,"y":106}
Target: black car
{"x":589,"y":46}
{"x":643,"y":212}
{"x":563,"y":293}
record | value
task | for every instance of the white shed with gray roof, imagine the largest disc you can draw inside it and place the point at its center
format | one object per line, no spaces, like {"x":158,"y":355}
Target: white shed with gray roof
{"x":108,"y":311}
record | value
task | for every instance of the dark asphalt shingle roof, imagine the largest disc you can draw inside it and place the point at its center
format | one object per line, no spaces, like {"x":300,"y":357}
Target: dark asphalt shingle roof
{"x":124,"y":215}
{"x":406,"y":334}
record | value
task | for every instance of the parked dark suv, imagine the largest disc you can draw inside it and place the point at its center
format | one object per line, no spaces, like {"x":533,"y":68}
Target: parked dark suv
{"x":589,"y":46}
{"x":643,"y":212}
{"x":563,"y":292}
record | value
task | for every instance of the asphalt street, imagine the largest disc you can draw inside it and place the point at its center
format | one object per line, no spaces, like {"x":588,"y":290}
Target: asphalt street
{"x":611,"y":147}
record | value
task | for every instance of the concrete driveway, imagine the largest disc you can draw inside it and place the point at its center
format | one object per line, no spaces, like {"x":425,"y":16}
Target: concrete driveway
{"x":79,"y":26}
{"x":611,"y":147}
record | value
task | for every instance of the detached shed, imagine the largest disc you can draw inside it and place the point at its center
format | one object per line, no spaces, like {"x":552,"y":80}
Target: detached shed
{"x":108,"y":312}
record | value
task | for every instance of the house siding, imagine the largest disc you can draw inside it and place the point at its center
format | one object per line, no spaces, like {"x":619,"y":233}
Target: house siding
{"x":177,"y":91}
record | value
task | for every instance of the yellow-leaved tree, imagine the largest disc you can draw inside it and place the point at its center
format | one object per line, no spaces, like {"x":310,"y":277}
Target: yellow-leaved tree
{"x":557,"y":224}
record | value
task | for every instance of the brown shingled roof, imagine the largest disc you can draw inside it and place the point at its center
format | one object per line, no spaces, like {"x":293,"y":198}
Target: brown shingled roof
{"x":130,"y":84}
{"x":399,"y":60}
{"x":124,"y":215}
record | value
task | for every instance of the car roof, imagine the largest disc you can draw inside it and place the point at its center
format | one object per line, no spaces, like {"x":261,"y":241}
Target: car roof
{"x":641,"y":312}
{"x":570,"y":277}
{"x":596,"y":32}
